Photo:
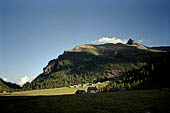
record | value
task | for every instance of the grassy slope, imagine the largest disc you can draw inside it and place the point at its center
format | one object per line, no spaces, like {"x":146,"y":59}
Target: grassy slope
{"x":141,"y":101}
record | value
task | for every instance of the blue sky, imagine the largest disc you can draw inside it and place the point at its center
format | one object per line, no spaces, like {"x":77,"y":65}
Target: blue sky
{"x":32,"y":32}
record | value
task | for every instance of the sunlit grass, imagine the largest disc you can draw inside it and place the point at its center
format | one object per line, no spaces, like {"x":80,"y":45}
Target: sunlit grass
{"x":55,"y":91}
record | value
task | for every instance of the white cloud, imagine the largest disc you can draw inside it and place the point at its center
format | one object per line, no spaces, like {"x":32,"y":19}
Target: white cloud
{"x":4,"y":79}
{"x":23,"y":80}
{"x":110,"y":40}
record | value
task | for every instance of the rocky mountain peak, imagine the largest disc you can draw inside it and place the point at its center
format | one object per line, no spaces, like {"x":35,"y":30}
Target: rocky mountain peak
{"x":134,"y":43}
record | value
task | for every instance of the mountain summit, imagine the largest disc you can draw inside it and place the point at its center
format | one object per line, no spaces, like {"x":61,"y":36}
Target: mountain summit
{"x":134,"y":43}
{"x":92,"y":63}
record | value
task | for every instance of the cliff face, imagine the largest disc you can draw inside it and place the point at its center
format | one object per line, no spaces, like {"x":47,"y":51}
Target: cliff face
{"x":50,"y":67}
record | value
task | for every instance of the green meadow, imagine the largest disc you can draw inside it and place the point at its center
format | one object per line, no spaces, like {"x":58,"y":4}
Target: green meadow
{"x":45,"y":92}
{"x":49,"y":92}
{"x":137,"y":101}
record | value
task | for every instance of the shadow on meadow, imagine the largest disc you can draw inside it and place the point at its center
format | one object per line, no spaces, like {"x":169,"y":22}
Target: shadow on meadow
{"x":141,"y":101}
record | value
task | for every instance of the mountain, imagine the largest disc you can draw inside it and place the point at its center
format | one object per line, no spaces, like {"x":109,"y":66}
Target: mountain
{"x":8,"y":86}
{"x":93,"y":63}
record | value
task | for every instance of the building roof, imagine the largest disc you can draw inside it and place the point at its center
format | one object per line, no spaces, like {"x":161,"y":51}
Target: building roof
{"x":80,"y":91}
{"x":92,"y":88}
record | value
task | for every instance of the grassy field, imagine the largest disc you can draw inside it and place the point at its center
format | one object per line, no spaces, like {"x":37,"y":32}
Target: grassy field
{"x":49,"y":92}
{"x":45,"y":92}
{"x":141,"y":101}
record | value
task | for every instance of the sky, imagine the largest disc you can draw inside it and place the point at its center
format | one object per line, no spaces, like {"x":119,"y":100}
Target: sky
{"x":33,"y":32}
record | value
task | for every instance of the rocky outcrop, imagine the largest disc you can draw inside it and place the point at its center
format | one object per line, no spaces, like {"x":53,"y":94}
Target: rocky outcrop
{"x":50,"y":67}
{"x":134,"y":43}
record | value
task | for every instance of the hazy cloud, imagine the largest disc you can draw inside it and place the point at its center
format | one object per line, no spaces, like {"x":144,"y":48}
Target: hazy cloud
{"x":4,"y":79}
{"x":23,"y":80}
{"x":140,"y":41}
{"x":110,"y":40}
